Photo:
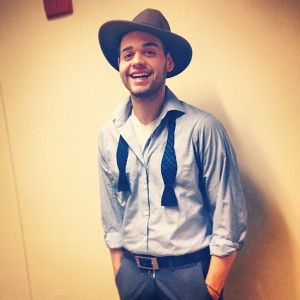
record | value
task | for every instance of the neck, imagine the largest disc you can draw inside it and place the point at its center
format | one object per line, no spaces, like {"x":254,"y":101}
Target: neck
{"x":148,"y":109}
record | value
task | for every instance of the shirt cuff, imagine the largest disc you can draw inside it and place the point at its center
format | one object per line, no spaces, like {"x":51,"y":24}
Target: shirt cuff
{"x":222,"y":247}
{"x":113,"y":240}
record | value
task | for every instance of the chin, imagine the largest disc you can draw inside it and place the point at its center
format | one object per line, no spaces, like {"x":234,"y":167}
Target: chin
{"x":140,"y":93}
{"x":145,"y":92}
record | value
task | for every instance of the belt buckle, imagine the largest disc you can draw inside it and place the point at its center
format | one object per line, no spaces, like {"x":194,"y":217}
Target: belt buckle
{"x":153,"y":260}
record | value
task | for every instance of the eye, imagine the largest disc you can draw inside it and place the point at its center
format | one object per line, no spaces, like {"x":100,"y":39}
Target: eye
{"x":127,"y":55}
{"x":149,"y":52}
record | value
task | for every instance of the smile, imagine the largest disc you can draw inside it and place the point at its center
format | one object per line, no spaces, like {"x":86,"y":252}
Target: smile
{"x":140,"y":75}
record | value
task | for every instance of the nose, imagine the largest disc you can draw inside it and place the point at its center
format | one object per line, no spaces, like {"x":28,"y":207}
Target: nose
{"x":138,"y":59}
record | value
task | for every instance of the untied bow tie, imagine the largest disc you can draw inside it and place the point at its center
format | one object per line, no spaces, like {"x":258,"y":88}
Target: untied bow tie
{"x":168,"y":163}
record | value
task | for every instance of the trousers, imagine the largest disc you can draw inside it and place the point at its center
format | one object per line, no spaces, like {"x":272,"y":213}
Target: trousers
{"x":185,"y":282}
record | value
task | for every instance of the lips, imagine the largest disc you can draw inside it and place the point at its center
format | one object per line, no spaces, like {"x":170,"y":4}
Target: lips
{"x":140,"y":75}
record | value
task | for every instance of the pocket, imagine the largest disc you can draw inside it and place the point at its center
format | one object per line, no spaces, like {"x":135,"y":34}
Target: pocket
{"x":207,"y":291}
{"x":202,"y":278}
{"x":190,"y":283}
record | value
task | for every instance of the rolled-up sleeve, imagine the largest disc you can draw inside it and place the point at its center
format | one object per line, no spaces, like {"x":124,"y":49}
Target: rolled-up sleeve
{"x":111,"y":210}
{"x":223,"y":189}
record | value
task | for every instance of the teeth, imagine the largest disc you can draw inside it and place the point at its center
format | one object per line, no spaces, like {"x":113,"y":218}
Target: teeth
{"x":140,"y":75}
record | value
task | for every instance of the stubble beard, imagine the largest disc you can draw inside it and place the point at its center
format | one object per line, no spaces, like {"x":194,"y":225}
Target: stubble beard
{"x":151,"y":91}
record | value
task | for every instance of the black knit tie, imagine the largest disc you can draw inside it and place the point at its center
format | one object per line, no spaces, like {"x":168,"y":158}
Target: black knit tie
{"x":122,"y":156}
{"x":169,"y":164}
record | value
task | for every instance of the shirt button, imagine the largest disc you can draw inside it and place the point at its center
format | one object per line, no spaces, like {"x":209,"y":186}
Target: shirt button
{"x":146,"y":212}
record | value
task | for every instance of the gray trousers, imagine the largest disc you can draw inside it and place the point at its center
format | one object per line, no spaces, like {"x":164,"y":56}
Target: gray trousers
{"x":185,"y":282}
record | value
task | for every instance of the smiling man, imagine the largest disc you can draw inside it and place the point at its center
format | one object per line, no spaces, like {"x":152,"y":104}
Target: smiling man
{"x":172,"y":205}
{"x":143,"y":79}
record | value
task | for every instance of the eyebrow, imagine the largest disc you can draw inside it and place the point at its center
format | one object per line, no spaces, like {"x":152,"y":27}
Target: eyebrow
{"x":146,"y":44}
{"x":127,"y":49}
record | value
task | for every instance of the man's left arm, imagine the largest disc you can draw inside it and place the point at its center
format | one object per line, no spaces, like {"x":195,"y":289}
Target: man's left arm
{"x":226,"y":202}
{"x":218,"y":272}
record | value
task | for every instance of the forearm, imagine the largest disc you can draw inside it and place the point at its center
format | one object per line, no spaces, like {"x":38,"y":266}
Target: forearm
{"x":218,"y":272}
{"x":116,"y":256}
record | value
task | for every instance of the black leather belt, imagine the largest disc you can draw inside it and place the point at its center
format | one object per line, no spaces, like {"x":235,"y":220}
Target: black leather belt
{"x":150,"y":262}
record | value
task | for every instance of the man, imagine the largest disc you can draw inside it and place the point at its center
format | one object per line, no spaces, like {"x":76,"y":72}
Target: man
{"x":172,"y":205}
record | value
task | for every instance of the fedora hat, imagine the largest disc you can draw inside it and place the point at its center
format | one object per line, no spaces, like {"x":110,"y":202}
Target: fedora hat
{"x":151,"y":21}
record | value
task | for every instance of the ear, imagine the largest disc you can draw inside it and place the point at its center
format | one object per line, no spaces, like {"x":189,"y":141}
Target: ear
{"x":170,"y":63}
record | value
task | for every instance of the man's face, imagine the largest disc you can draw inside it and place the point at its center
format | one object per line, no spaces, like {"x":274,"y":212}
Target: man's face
{"x":143,"y":65}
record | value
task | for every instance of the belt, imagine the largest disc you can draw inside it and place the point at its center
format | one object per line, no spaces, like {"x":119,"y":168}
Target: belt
{"x":150,"y":262}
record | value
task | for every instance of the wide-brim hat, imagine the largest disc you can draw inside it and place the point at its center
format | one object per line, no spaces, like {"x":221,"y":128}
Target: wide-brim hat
{"x":151,"y":21}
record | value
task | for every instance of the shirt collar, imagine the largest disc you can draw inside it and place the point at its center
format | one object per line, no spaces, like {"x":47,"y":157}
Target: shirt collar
{"x":171,"y":103}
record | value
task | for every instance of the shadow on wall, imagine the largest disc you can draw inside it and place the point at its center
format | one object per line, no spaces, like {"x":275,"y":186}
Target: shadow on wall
{"x":285,"y":8}
{"x":264,"y":268}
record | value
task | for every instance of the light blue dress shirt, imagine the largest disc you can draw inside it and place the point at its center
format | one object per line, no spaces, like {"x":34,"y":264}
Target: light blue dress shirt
{"x":211,"y":208}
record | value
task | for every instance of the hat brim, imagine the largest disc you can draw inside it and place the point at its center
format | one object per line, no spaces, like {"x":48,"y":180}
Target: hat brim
{"x":111,"y":33}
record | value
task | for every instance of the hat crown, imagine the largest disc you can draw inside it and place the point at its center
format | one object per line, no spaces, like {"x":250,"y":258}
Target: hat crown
{"x":152,"y":17}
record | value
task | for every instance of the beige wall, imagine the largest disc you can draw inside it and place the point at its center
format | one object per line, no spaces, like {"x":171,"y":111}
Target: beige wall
{"x":57,"y":90}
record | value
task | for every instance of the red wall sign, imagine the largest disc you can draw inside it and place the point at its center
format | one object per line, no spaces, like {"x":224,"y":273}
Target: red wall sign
{"x":54,"y":8}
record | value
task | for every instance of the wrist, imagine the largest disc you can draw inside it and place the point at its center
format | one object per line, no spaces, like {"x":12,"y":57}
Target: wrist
{"x":213,"y":290}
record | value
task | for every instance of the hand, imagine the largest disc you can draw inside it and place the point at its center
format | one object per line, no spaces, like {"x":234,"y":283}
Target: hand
{"x":214,"y":294}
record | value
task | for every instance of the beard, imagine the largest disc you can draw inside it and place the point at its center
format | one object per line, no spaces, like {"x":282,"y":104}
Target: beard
{"x":148,"y":92}
{"x":151,"y":89}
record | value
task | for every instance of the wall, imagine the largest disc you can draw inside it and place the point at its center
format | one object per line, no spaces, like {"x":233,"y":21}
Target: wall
{"x":57,"y":90}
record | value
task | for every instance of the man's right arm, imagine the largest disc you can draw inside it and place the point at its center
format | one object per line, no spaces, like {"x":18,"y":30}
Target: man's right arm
{"x":111,"y":210}
{"x":116,"y":257}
